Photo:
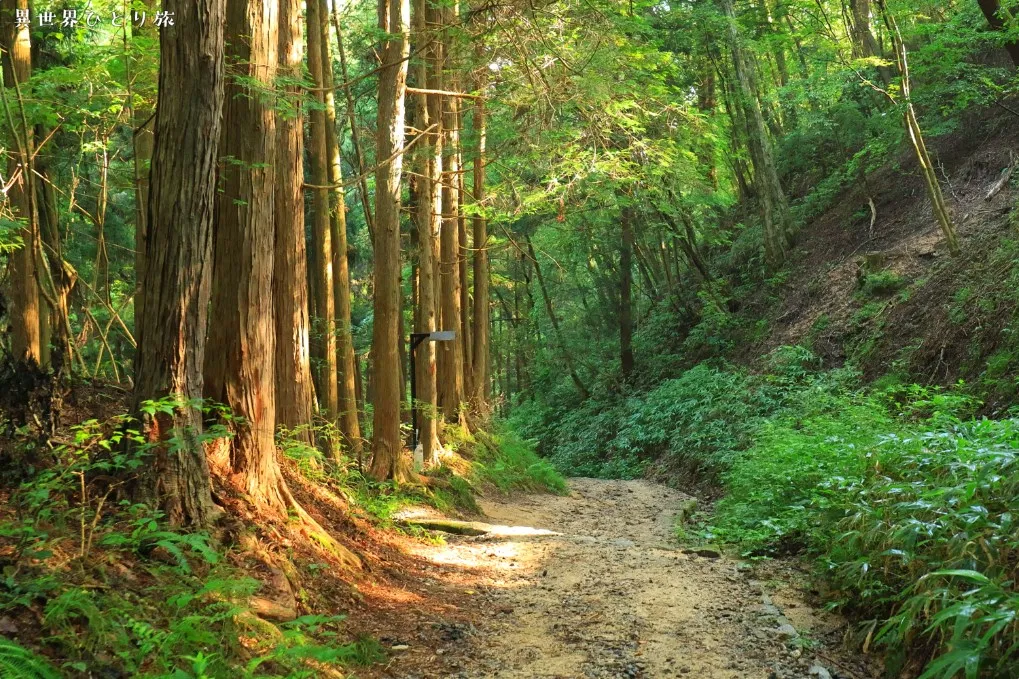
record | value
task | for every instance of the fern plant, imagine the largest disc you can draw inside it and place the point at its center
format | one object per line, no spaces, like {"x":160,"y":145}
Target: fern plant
{"x":17,"y":662}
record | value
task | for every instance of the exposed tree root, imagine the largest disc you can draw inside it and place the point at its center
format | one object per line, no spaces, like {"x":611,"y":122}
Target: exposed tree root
{"x":314,"y":531}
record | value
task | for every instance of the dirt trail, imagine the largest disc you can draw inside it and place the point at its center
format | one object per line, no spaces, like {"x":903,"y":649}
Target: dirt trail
{"x":594,"y":585}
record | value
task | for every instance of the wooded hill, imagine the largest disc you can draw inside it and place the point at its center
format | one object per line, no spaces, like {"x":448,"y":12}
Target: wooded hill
{"x":747,"y":247}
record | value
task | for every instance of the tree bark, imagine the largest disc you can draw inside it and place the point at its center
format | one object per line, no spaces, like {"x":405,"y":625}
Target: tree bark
{"x":24,"y":311}
{"x":143,"y":141}
{"x":387,"y":462}
{"x":178,"y":252}
{"x":482,"y":321}
{"x":350,"y":427}
{"x":938,"y":204}
{"x":324,"y":321}
{"x":450,"y":354}
{"x":294,"y":389}
{"x":241,"y":372}
{"x":427,"y":217}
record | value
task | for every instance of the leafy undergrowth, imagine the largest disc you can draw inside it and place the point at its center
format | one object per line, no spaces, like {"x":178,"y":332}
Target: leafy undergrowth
{"x":102,"y":586}
{"x":910,"y":506}
{"x":508,"y":462}
{"x":94,"y":584}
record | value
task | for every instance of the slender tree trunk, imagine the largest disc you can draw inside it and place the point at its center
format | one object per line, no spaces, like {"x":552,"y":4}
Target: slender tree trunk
{"x":625,"y":285}
{"x":241,"y":372}
{"x":777,"y":222}
{"x":567,"y":357}
{"x":143,"y":138}
{"x":25,"y":308}
{"x":55,"y":325}
{"x":463,"y":268}
{"x":450,"y":359}
{"x":355,"y":138}
{"x":294,"y":387}
{"x":171,"y":334}
{"x":324,"y":321}
{"x":387,"y":462}
{"x":916,"y":136}
{"x":482,"y":321}
{"x":350,"y":427}
{"x":427,"y":219}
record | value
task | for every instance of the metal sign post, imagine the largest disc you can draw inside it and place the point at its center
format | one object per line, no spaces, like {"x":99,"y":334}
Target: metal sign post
{"x":417,"y":338}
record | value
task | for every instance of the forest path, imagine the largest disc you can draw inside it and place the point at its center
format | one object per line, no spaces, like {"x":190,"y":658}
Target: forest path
{"x":594,"y":584}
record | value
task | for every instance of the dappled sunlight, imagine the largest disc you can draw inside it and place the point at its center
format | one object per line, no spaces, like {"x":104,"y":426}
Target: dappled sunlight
{"x":494,"y":558}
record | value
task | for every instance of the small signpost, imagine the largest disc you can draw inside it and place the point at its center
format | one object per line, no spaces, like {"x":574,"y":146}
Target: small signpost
{"x":417,"y":338}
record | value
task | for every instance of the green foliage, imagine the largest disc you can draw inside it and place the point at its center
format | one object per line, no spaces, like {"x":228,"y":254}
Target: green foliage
{"x":909,"y":508}
{"x":508,"y":462}
{"x":700,"y":421}
{"x":881,"y":283}
{"x":17,"y":662}
{"x":117,"y":590}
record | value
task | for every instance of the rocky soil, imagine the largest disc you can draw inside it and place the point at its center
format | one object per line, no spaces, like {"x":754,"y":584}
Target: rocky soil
{"x":594,"y":584}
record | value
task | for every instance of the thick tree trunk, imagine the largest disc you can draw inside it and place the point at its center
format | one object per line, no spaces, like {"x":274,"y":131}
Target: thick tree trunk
{"x":240,"y":374}
{"x":777,"y":222}
{"x":625,"y":285}
{"x":349,"y":425}
{"x":324,"y":321}
{"x":294,"y":387}
{"x":25,"y":309}
{"x":480,"y":379}
{"x":992,"y":10}
{"x":171,"y":334}
{"x":387,"y":462}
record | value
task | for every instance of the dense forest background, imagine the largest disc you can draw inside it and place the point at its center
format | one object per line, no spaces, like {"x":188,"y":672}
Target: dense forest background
{"x":765,"y":250}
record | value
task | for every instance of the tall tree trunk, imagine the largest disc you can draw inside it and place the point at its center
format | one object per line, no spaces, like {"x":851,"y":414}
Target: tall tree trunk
{"x":171,"y":334}
{"x":294,"y":387}
{"x":387,"y":460}
{"x":450,"y":354}
{"x":54,"y":323}
{"x":916,"y":135}
{"x":992,"y":10}
{"x":25,"y":304}
{"x":864,"y":43}
{"x":480,"y":379}
{"x":350,"y":427}
{"x":143,"y":139}
{"x":355,"y":138}
{"x":625,"y":285}
{"x":240,"y":374}
{"x":427,"y":217}
{"x":324,"y":321}
{"x":463,"y":268}
{"x":777,"y":222}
